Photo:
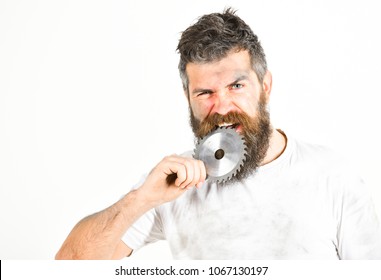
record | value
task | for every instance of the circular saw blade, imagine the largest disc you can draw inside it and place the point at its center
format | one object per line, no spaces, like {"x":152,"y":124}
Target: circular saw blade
{"x":223,"y":152}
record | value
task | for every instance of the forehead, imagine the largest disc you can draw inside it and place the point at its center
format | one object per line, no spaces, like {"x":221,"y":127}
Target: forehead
{"x":233,"y":66}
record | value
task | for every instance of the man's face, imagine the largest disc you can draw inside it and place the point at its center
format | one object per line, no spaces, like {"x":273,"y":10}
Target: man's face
{"x":228,"y":93}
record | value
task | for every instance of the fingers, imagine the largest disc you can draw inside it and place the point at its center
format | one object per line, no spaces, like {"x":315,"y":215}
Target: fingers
{"x":202,"y":174}
{"x":189,"y":172}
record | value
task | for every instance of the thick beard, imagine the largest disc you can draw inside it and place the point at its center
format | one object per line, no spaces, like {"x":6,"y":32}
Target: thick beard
{"x":256,"y":132}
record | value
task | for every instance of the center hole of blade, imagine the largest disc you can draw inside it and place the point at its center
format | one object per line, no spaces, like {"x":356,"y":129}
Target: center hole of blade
{"x":219,"y":154}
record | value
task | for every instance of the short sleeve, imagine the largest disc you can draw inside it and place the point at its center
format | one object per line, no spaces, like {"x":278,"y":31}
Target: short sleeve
{"x":359,"y":232}
{"x":147,"y":229}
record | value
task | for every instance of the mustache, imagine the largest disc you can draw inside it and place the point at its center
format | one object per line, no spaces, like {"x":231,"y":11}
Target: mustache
{"x":211,"y":122}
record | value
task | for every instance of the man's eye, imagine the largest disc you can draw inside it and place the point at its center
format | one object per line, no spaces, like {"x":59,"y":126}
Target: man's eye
{"x":237,"y":86}
{"x":203,"y":93}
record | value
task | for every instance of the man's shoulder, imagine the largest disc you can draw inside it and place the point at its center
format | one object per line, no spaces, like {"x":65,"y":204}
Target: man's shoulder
{"x":325,"y":166}
{"x":314,"y":150}
{"x":321,"y":156}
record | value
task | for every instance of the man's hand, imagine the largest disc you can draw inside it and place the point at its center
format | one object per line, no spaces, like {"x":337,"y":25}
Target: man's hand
{"x":188,"y":173}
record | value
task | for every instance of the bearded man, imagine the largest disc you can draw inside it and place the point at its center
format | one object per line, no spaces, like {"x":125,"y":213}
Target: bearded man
{"x":289,"y":200}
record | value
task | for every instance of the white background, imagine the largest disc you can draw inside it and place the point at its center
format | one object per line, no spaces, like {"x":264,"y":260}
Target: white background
{"x":90,"y":98}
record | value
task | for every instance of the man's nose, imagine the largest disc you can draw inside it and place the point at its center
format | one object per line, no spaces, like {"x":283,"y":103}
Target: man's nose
{"x":223,"y":103}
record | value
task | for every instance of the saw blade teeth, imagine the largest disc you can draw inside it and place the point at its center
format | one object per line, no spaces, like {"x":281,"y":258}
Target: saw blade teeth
{"x":228,"y":138}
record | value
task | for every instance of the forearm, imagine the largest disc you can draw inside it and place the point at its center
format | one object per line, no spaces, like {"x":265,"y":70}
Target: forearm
{"x":97,"y":236}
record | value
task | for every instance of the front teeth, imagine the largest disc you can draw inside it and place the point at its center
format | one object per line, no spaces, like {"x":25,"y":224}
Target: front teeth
{"x":228,"y":125}
{"x":225,"y":124}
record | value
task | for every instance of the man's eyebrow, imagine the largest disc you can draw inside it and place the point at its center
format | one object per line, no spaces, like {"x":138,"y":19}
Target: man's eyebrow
{"x":198,"y":90}
{"x":238,"y":79}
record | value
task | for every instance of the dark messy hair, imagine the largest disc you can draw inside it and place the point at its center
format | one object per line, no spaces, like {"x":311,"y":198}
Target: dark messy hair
{"x":213,"y":36}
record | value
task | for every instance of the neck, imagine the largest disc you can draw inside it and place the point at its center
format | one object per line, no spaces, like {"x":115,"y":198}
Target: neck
{"x":278,"y":143}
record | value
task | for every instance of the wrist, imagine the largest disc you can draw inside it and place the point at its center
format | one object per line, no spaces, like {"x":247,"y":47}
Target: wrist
{"x":142,"y":201}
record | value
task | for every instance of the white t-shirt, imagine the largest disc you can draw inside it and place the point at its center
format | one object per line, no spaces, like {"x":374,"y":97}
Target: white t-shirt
{"x":306,"y":204}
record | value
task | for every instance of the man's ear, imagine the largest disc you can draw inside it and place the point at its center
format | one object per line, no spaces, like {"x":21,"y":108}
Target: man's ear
{"x":267,"y":84}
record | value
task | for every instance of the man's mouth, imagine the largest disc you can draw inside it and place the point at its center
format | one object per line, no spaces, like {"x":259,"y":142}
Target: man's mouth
{"x":236,"y":126}
{"x":227,"y":125}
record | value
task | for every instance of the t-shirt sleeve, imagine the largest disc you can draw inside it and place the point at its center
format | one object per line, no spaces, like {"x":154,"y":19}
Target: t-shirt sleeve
{"x":359,"y":231}
{"x":147,"y":229}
